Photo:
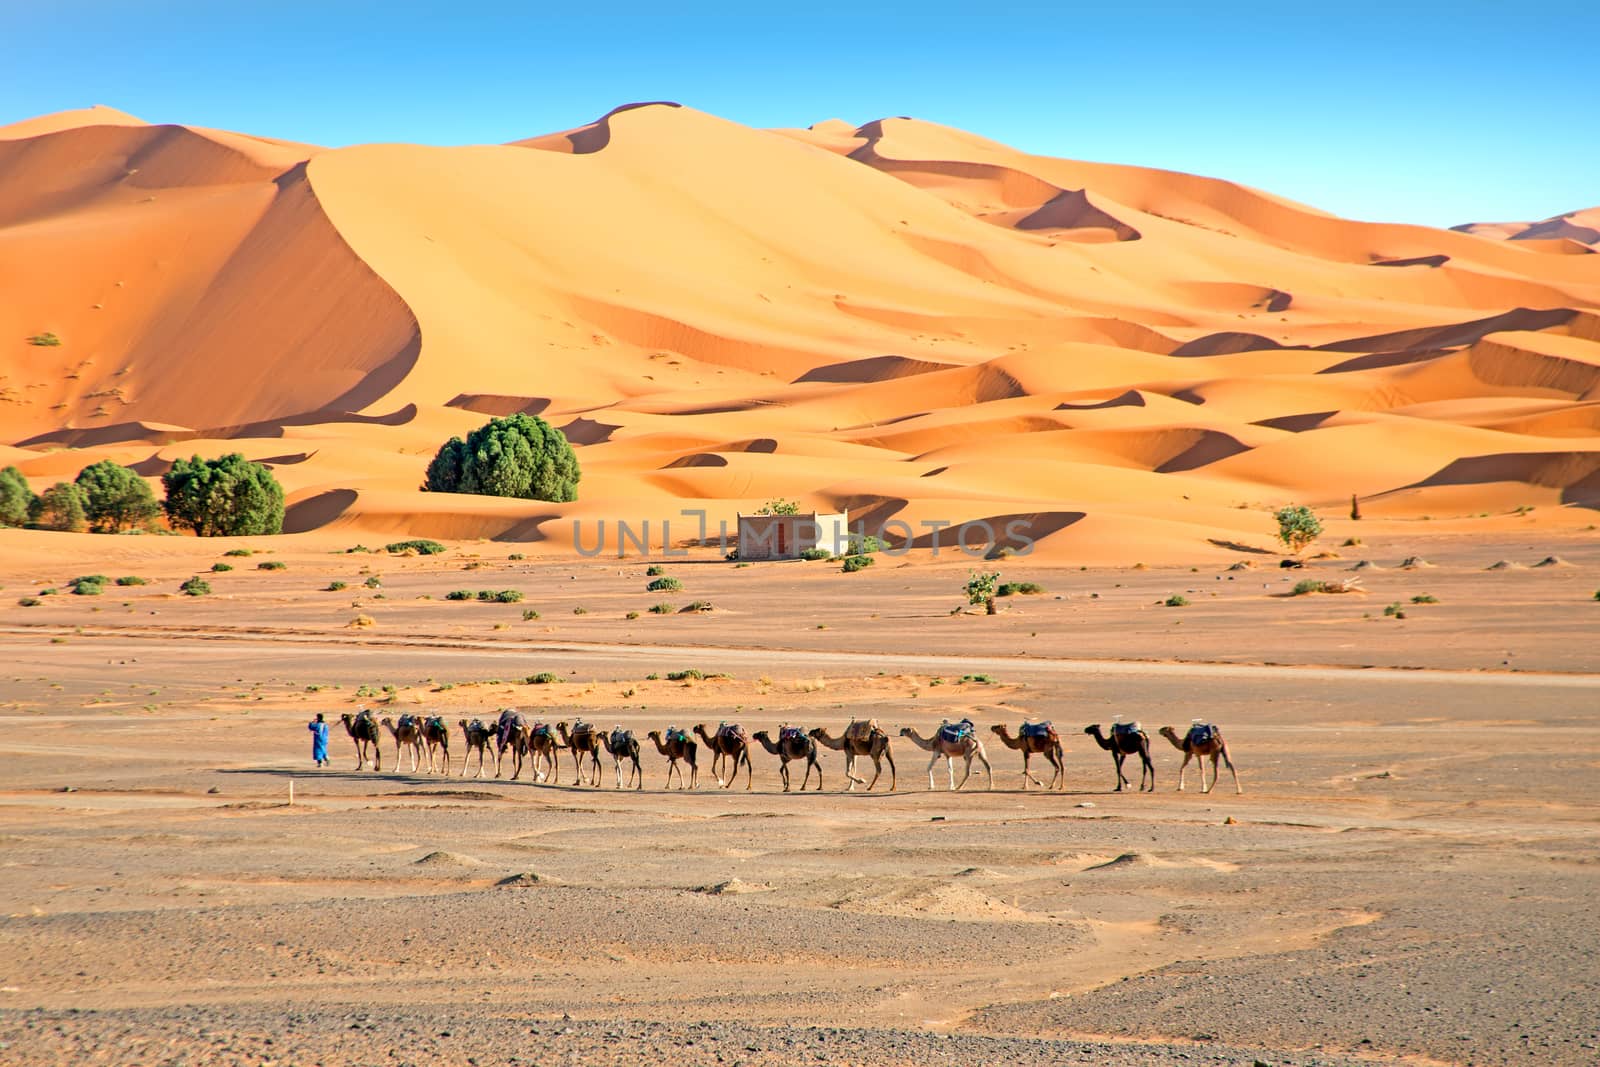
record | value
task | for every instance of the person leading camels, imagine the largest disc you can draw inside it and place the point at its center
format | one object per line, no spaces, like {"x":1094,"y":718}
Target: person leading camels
{"x":1036,"y":738}
{"x":793,"y":743}
{"x":951,"y":740}
{"x":1203,"y":739}
{"x":1127,"y":739}
{"x":861,"y":738}
{"x":731,"y":743}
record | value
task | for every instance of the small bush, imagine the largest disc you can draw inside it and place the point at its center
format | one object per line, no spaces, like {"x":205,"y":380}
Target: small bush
{"x":272,"y":565}
{"x":239,"y":552}
{"x":1424,"y":598}
{"x":472,"y":566}
{"x":661,"y":609}
{"x":45,"y":340}
{"x":82,"y":587}
{"x":863,"y":546}
{"x":980,"y":588}
{"x":90,"y":579}
{"x":856,"y":563}
{"x":373,"y":583}
{"x":683,"y":676}
{"x":631,"y":615}
{"x":580,"y":610}
{"x":978,"y":679}
{"x":1394,"y":611}
{"x":507,"y":596}
{"x":1177,"y":600}
{"x":221,"y":568}
{"x":1015,"y":588}
{"x":530,"y":615}
{"x":542,"y":678}
{"x":421,"y":547}
{"x":196,"y":586}
{"x":655,"y":570}
{"x":779,"y":507}
{"x":132,"y":579}
{"x":334,"y":587}
{"x":694,"y":607}
{"x":1297,"y":526}
{"x":361,"y":622}
{"x":51,"y":591}
{"x":816,"y":553}
{"x":1308,"y":585}
{"x":459,"y":594}
{"x":516,"y":556}
{"x":664,"y":585}
{"x":33,"y":601}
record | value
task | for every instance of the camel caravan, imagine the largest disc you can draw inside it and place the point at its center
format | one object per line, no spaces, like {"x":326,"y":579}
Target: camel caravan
{"x":539,"y":745}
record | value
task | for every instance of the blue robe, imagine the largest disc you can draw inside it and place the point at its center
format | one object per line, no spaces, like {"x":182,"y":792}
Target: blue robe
{"x":319,"y":741}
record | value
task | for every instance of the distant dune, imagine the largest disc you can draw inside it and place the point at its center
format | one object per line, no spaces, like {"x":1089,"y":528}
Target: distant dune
{"x":901,"y":318}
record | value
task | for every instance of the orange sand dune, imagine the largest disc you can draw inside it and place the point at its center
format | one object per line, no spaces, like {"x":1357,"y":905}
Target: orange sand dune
{"x":900,"y":318}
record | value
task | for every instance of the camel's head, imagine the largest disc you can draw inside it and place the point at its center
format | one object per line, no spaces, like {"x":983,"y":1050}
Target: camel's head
{"x":1167,"y":731}
{"x":1092,"y":729}
{"x":999,"y":728}
{"x":815,"y":731}
{"x":905,"y":731}
{"x":345,"y":718}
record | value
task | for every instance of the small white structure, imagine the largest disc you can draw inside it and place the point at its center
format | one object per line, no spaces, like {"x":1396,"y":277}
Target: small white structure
{"x":786,"y":536}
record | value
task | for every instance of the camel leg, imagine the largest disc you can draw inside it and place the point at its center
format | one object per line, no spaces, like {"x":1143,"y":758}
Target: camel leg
{"x":783,"y":774}
{"x":1061,"y":769}
{"x":1027,"y":758}
{"x":988,"y":771}
{"x":950,"y":766}
{"x":810,"y":764}
{"x":1150,"y":768}
{"x":931,"y":762}
{"x":1122,"y":779}
{"x":749,"y":773}
{"x":894,"y":775}
{"x":638,"y":772}
{"x":1185,"y":770}
{"x":1237,"y":788}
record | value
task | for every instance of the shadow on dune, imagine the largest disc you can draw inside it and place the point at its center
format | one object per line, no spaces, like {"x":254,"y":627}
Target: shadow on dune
{"x":1130,"y":399}
{"x":872,"y":369}
{"x":498,"y":404}
{"x":1576,"y":474}
{"x":318,"y":511}
{"x":596,"y":135}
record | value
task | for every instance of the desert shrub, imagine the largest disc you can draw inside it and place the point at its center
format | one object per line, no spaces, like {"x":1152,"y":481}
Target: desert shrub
{"x":631,"y":615}
{"x":63,"y":506}
{"x":91,"y":579}
{"x":981,"y":587}
{"x":856,"y":563}
{"x":664,"y":585}
{"x":863,"y":545}
{"x":506,"y":596}
{"x":472,"y":566}
{"x":16,"y":498}
{"x":362,"y":622}
{"x":334,"y":587}
{"x":1297,"y":526}
{"x":661,"y":609}
{"x":682,"y":676}
{"x":580,"y":610}
{"x":272,"y":565}
{"x":227,"y":497}
{"x":116,"y":498}
{"x":85,"y":587}
{"x":516,"y":456}
{"x":421,"y":547}
{"x":694,"y":607}
{"x":29,"y":602}
{"x":240,"y":552}
{"x":530,"y":614}
{"x":977,"y":679}
{"x":542,"y":678}
{"x":779,"y":507}
{"x":1015,"y":588}
{"x":49,"y":591}
{"x":1394,"y":611}
{"x":221,"y":568}
{"x":373,"y":582}
{"x":196,"y":586}
{"x":1307,"y":585}
{"x":816,"y":553}
{"x":45,"y":340}
{"x":132,"y":579}
{"x":1424,"y":598}
{"x":459,"y":594}
{"x":515,"y":556}
{"x":1177,"y":600}
{"x":655,"y":570}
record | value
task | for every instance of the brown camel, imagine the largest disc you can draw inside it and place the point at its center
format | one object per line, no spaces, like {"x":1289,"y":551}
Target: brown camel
{"x":436,"y":735}
{"x":511,"y":731}
{"x":678,"y":745}
{"x":545,"y":749}
{"x":584,"y":741}
{"x":1203,"y":739}
{"x":1126,"y":739}
{"x":793,"y":743}
{"x":948,"y":742}
{"x":1036,"y":738}
{"x":407,"y":735}
{"x":729,"y":743}
{"x":478,"y":737}
{"x":621,"y":744}
{"x":861,"y":738}
{"x":363,"y":729}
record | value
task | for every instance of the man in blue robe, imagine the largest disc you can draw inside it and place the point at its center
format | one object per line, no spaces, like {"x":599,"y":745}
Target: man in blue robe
{"x":319,"y":740}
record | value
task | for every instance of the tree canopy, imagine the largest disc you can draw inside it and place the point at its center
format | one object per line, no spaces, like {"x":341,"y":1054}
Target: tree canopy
{"x":225,"y":497}
{"x":115,"y":497}
{"x":517,"y":456}
{"x":16,"y":497}
{"x":61,"y":507}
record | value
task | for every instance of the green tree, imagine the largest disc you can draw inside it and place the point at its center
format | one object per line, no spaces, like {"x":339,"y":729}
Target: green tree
{"x":227,"y":497}
{"x":519,"y":456}
{"x":1297,"y":526}
{"x":117,"y":498}
{"x":61,"y":507}
{"x":16,"y":498}
{"x":981,"y":588}
{"x":779,"y":507}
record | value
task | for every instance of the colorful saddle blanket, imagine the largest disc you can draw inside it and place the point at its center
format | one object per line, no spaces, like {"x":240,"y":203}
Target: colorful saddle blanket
{"x":543,"y":730}
{"x":677,"y":736}
{"x":861,"y":729}
{"x":620,"y":738}
{"x":790,"y":733}
{"x":1202,"y":733}
{"x":1126,"y":729}
{"x":581,"y":731}
{"x":732,"y":731}
{"x":436,"y":725}
{"x":1040,"y":729}
{"x":956,"y":732}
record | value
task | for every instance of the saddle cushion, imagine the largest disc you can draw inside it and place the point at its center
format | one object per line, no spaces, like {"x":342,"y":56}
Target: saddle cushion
{"x":861,"y":729}
{"x":956,"y":732}
{"x":1126,"y":729}
{"x":732,"y":731}
{"x":1201,"y":733}
{"x":677,"y":736}
{"x":1039,"y":729}
{"x":542,"y":730}
{"x":619,"y":737}
{"x":790,"y":733}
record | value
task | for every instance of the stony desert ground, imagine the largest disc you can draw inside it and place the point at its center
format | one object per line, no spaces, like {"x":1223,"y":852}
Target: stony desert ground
{"x":1408,"y":876}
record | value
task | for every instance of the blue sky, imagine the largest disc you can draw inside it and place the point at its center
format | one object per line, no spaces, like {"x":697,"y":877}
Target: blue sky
{"x":1421,"y":112}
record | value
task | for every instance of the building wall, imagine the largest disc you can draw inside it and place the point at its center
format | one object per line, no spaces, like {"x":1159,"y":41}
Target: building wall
{"x":786,"y":536}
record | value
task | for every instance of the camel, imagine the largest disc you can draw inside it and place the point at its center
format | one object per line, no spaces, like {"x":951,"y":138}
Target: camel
{"x":948,"y":742}
{"x":511,"y":731}
{"x":407,"y":735}
{"x":436,"y":735}
{"x":363,"y":729}
{"x":544,"y":747}
{"x":861,"y":739}
{"x":1038,"y":738}
{"x":730,"y":743}
{"x":677,"y":746}
{"x":1125,"y":740}
{"x":584,"y":741}
{"x":621,"y":744}
{"x":792,"y":744}
{"x":1202,"y":740}
{"x":478,"y":737}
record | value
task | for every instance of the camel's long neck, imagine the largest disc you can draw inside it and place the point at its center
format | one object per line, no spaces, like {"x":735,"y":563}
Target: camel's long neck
{"x":1102,"y":740}
{"x":1176,"y":743}
{"x":837,"y":744}
{"x":924,"y":743}
{"x":770,"y":745}
{"x":1010,"y":742}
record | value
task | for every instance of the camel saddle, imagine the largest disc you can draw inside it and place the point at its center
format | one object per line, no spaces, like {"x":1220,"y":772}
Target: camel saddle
{"x":581,"y":729}
{"x":677,"y":736}
{"x":436,"y":724}
{"x":542,"y":730}
{"x":619,"y":737}
{"x":1127,"y":729}
{"x":1040,"y":729}
{"x":732,"y":731}
{"x":956,"y":732}
{"x":790,"y":733}
{"x":1201,"y":733}
{"x":861,"y":729}
{"x":407,"y":720}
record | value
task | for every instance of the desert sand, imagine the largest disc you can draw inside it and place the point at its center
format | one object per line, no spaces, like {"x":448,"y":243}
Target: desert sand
{"x":902,"y":319}
{"x":860,"y":317}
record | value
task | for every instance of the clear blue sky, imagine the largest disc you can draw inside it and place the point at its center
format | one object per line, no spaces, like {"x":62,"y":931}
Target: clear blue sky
{"x":1425,"y":112}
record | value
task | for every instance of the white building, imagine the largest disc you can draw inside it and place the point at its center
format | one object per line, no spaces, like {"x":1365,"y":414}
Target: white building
{"x":786,"y":536}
